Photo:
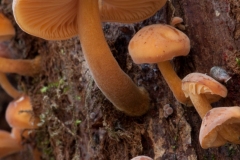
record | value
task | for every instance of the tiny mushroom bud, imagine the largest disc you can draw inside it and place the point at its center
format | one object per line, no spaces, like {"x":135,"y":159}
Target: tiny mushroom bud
{"x":160,"y":43}
{"x":219,"y":74}
{"x":176,"y":22}
{"x":19,"y":114}
{"x":83,"y":18}
{"x":219,"y":126}
{"x":202,"y":90}
{"x":8,"y":144}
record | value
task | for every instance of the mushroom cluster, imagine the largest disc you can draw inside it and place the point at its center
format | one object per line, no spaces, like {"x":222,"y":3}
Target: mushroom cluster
{"x":19,"y":116}
{"x":157,"y":43}
{"x":19,"y":112}
{"x":84,"y":18}
{"x":160,"y":43}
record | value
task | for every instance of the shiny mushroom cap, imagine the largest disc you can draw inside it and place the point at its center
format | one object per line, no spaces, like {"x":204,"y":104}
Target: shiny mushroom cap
{"x":198,"y":83}
{"x":128,"y":11}
{"x":19,"y":114}
{"x":219,"y":126}
{"x":7,"y":30}
{"x":158,"y":43}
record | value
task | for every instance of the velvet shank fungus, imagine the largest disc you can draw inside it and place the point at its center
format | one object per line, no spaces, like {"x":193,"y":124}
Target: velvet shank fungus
{"x":160,"y":43}
{"x":19,"y":114}
{"x":219,"y":126}
{"x":83,"y":18}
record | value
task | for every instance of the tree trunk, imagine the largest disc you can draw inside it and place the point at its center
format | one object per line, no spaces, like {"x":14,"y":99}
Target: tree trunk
{"x":80,"y":123}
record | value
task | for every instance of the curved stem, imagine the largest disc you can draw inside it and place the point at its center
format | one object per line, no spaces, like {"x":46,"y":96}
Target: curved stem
{"x":7,"y":86}
{"x":111,"y":80}
{"x":200,"y":103}
{"x":173,"y":81}
{"x":20,"y":66}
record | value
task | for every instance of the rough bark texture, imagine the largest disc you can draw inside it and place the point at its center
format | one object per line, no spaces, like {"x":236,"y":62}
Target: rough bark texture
{"x":78,"y":122}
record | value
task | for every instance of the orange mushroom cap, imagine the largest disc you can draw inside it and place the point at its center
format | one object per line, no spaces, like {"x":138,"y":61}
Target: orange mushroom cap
{"x":57,"y":20}
{"x":220,"y":125}
{"x":157,"y":43}
{"x":19,"y":114}
{"x":198,"y":83}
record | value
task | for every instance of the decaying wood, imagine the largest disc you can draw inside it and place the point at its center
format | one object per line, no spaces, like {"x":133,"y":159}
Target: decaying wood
{"x":80,"y":123}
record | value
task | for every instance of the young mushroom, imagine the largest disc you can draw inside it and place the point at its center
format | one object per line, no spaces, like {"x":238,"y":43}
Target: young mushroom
{"x":83,"y":18}
{"x":19,"y":114}
{"x":160,"y":43}
{"x":8,"y":144}
{"x":202,"y":90}
{"x":219,"y":126}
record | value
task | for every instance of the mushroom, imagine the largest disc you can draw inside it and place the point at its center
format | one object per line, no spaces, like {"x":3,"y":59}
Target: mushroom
{"x":19,"y":114}
{"x":12,"y":142}
{"x":220,"y":125}
{"x":7,"y":30}
{"x":159,"y":43}
{"x":202,"y":90}
{"x":22,"y":67}
{"x":84,"y":18}
{"x":142,"y":158}
{"x":8,"y":144}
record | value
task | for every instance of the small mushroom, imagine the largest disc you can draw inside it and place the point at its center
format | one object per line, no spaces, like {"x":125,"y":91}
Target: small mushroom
{"x":83,"y":18}
{"x":160,"y":43}
{"x":19,"y":114}
{"x":142,"y":158}
{"x":8,"y":144}
{"x":220,"y":125}
{"x":202,"y":90}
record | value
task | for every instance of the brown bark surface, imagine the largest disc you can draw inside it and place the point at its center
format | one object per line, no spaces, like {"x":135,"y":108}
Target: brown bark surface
{"x":78,"y":122}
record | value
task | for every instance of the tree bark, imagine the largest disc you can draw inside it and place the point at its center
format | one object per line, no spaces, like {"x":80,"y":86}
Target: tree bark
{"x":80,"y":123}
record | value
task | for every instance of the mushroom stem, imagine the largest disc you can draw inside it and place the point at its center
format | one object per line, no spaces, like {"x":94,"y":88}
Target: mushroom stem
{"x":7,"y":86}
{"x":8,"y":145}
{"x":111,"y":80}
{"x":200,"y":103}
{"x":173,"y":81}
{"x":23,"y":67}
